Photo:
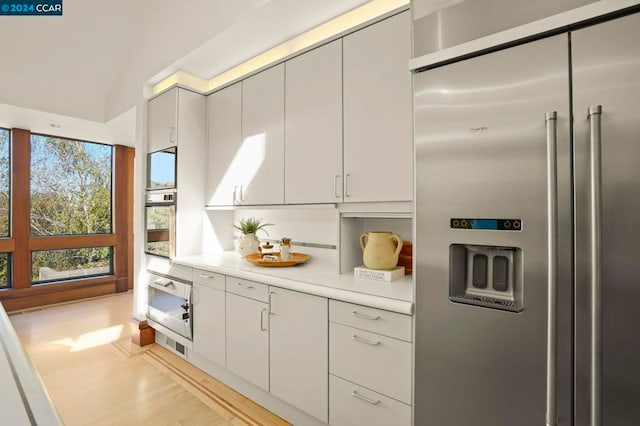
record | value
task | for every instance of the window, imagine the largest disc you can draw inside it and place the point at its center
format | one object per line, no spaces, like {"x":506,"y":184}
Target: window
{"x":5,"y":184}
{"x":70,"y":187}
{"x":5,"y":205}
{"x":65,"y":217}
{"x":66,"y":264}
{"x":5,"y":270}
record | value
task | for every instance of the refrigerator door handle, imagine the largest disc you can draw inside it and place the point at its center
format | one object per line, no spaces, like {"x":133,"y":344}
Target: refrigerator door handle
{"x":595,"y":206}
{"x":552,"y":265}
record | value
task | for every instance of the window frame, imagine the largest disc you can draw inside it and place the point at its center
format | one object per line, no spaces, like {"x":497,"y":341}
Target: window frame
{"x":23,"y":294}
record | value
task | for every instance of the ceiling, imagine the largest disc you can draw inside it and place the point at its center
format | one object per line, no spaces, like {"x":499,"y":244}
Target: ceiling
{"x":92,"y":63}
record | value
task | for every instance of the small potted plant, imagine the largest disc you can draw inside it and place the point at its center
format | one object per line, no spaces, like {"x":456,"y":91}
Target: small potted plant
{"x":249,"y":227}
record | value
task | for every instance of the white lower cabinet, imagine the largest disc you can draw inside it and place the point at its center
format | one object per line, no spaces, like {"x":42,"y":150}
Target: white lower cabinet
{"x":377,"y":362}
{"x":209,"y":323}
{"x":370,"y":373}
{"x":298,"y":350}
{"x":248,"y":339}
{"x":353,"y":405}
{"x":340,"y":363}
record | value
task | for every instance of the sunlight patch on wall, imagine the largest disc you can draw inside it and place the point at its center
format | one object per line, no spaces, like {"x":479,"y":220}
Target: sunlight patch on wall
{"x":244,"y":166}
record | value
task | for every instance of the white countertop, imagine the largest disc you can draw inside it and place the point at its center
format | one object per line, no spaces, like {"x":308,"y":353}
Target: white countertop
{"x":24,"y":399}
{"x":315,"y":276}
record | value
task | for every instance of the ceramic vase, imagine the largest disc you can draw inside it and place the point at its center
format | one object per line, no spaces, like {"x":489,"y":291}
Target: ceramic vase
{"x":379,"y":250}
{"x":248,"y":245}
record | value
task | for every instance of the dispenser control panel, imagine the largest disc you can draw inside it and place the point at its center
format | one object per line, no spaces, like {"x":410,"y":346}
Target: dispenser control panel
{"x":487,"y":224}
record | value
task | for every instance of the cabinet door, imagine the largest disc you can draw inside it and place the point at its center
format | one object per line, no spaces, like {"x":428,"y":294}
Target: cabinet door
{"x":224,"y":166}
{"x":162,"y":119}
{"x":248,"y":339}
{"x":209,"y":323}
{"x":378,"y":147}
{"x":313,"y":126}
{"x":299,"y":350}
{"x":262,"y":150}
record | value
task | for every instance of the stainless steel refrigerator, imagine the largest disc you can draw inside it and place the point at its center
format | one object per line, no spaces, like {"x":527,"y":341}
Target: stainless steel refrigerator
{"x":527,"y":226}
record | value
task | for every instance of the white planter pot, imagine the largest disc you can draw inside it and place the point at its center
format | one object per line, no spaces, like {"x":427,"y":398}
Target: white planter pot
{"x":248,"y":245}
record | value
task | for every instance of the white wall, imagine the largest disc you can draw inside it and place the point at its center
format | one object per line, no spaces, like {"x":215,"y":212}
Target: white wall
{"x":120,"y":130}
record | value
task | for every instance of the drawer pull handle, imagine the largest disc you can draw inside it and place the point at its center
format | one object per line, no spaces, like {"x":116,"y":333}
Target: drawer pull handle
{"x":361,"y":340}
{"x":365,"y":399}
{"x":369,"y":317}
{"x":206,"y":276}
{"x":244,"y":286}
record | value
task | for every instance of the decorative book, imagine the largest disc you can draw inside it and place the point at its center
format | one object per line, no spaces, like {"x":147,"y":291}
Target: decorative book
{"x":378,"y":274}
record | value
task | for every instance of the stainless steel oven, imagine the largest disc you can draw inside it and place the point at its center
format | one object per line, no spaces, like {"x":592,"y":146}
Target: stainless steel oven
{"x":160,"y":223}
{"x":169,"y":305}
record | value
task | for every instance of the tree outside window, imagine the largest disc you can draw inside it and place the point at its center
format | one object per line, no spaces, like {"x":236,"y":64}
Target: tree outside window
{"x":71,"y":184}
{"x":5,"y":169}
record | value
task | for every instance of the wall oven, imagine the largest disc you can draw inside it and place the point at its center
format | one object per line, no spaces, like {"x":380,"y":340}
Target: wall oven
{"x":161,"y":169}
{"x":169,"y":306}
{"x":160,"y":223}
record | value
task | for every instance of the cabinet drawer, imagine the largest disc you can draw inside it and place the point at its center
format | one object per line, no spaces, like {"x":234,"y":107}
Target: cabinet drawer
{"x":377,"y":362}
{"x":370,"y":319}
{"x":353,"y":405}
{"x":248,"y":288}
{"x":209,"y":279}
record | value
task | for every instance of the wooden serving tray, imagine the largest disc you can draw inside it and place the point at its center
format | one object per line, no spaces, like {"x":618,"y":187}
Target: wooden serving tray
{"x":294,"y":259}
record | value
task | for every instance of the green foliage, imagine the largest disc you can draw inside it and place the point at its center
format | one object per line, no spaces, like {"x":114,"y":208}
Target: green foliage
{"x":4,"y":203}
{"x":4,"y":183}
{"x":74,"y":261}
{"x":251,"y":225}
{"x":70,"y":195}
{"x":70,"y":187}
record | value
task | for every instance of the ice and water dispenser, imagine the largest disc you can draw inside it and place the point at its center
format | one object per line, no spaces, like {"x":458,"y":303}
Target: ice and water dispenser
{"x":486,"y":275}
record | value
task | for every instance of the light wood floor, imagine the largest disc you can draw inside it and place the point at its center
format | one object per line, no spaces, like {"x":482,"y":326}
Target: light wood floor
{"x":95,"y":375}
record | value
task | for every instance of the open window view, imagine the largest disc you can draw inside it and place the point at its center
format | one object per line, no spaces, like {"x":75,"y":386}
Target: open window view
{"x":66,"y":264}
{"x":60,"y":237}
{"x":4,"y":205}
{"x":71,"y":187}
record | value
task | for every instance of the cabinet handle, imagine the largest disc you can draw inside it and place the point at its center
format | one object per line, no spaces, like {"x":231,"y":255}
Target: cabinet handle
{"x":247,"y":286}
{"x":365,"y":399}
{"x":235,"y":195}
{"x":336,"y":178}
{"x":271,"y":293}
{"x":365,"y":316}
{"x":262,"y":311}
{"x":361,"y":340}
{"x":206,"y":276}
{"x":241,"y":193}
{"x":172,"y":134}
{"x":346,"y":185}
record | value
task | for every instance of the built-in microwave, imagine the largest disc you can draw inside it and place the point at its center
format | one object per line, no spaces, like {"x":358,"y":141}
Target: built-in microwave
{"x":161,"y":169}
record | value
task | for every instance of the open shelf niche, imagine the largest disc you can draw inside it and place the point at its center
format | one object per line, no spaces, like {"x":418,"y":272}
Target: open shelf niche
{"x":354,"y":224}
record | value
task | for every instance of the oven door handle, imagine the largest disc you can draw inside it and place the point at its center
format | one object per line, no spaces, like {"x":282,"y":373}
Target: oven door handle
{"x":169,"y":286}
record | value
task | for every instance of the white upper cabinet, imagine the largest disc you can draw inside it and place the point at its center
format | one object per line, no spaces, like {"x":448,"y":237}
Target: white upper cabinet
{"x":162,"y":121}
{"x":313,"y":126}
{"x":261,"y":155}
{"x":378,"y":145}
{"x":224,"y":169}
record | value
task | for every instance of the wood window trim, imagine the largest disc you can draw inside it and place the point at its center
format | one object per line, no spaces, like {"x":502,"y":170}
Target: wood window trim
{"x":23,"y":294}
